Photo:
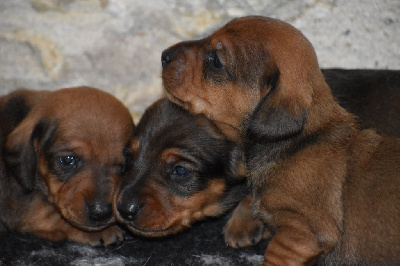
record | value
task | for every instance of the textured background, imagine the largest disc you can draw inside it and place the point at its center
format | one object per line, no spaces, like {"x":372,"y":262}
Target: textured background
{"x":116,"y":45}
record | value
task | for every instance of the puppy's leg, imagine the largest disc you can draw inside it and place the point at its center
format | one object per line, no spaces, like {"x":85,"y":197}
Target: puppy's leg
{"x":43,"y":220}
{"x":243,"y":229}
{"x":293,"y":243}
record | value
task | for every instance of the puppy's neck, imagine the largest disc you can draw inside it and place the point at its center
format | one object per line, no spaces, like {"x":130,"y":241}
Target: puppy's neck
{"x":232,"y":133}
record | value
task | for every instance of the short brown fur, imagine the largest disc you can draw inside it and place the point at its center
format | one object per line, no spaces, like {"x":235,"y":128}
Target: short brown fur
{"x":328,"y":191}
{"x":63,"y":157}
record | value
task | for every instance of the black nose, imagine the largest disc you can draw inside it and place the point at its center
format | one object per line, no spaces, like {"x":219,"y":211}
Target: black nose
{"x":100,"y":211}
{"x":128,"y":210}
{"x":167,"y":56}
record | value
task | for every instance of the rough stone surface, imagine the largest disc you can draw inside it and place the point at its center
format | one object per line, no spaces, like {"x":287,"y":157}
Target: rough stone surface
{"x":115,"y":45}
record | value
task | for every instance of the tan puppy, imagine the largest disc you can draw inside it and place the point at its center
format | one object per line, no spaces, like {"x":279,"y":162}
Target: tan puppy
{"x":328,"y":192}
{"x":63,"y":158}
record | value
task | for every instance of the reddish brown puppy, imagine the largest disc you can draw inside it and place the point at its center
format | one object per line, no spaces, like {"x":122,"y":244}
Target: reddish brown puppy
{"x":328,"y":192}
{"x":373,"y":95}
{"x":63,"y":158}
{"x":183,"y":170}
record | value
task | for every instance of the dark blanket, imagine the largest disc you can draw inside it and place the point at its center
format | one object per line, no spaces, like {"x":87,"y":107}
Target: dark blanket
{"x":203,"y":244}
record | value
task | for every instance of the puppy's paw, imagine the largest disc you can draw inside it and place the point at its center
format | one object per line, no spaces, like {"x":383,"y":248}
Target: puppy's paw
{"x":243,"y":229}
{"x":240,"y":232}
{"x":110,"y":235}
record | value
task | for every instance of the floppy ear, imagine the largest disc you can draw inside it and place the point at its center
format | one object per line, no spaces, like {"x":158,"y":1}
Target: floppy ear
{"x":21,"y":153}
{"x":13,"y":110}
{"x":270,"y":121}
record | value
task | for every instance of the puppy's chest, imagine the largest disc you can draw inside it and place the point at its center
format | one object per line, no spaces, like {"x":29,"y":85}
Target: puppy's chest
{"x":274,"y":186}
{"x":264,"y":165}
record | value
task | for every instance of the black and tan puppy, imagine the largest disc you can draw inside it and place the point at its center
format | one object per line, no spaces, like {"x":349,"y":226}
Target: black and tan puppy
{"x":182,"y":171}
{"x":328,"y":192}
{"x":62,"y":158}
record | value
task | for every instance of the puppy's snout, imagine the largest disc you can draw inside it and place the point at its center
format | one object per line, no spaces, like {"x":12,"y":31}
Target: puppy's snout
{"x":128,"y":210}
{"x":100,"y":211}
{"x":167,"y":57}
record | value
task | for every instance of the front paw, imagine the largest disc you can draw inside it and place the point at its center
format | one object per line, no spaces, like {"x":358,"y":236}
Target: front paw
{"x":243,"y":229}
{"x":240,"y":232}
{"x":110,"y":235}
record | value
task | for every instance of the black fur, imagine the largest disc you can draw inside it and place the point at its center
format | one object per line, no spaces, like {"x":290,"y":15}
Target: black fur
{"x":204,"y":152}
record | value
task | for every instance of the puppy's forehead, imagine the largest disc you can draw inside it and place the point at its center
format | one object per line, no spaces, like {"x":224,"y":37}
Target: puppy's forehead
{"x":86,"y":105}
{"x":273,"y":33}
{"x":250,"y":37}
{"x":238,"y":31}
{"x":89,"y":115}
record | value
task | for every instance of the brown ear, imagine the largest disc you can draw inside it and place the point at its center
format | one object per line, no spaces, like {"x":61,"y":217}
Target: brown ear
{"x":14,"y":109}
{"x":271,"y":123}
{"x":21,"y":154}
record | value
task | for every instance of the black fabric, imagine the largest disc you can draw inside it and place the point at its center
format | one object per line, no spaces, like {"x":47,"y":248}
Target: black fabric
{"x":203,"y":244}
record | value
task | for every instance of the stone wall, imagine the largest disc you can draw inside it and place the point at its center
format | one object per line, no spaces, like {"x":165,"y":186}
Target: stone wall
{"x":116,"y":45}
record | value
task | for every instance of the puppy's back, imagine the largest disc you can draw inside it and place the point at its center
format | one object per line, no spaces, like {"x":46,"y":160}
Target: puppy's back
{"x":371,"y":199}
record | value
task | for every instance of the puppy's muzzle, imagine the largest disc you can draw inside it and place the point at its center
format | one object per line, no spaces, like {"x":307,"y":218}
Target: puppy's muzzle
{"x":179,"y":51}
{"x":128,"y":209}
{"x":100,"y":211}
{"x":167,"y":56}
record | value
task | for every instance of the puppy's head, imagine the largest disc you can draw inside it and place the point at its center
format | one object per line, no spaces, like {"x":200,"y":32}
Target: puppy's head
{"x":71,"y":149}
{"x":252,"y":66}
{"x":183,"y":170}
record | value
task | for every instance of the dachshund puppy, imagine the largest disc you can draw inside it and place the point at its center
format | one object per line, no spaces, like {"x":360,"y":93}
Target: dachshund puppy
{"x":63,"y":156}
{"x":328,"y":192}
{"x":373,"y":95}
{"x":182,"y":171}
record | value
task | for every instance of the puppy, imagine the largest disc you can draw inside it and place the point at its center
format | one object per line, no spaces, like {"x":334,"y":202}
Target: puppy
{"x":328,"y":192}
{"x":63,"y":156}
{"x":370,"y":94}
{"x":182,"y":171}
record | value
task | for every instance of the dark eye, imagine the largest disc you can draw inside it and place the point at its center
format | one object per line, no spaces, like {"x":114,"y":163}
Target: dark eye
{"x":214,"y":60}
{"x":180,"y":171}
{"x":67,"y":160}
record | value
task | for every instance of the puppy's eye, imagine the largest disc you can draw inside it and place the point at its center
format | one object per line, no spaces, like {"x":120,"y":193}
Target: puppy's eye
{"x":214,"y":60}
{"x":180,"y":171}
{"x":67,"y":160}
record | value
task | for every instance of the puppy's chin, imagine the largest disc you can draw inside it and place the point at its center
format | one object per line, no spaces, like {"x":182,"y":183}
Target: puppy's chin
{"x":83,"y":221}
{"x":134,"y":228}
{"x":171,"y":225}
{"x":91,"y":226}
{"x":161,"y":225}
{"x":177,"y":100}
{"x":232,"y":132}
{"x":170,"y":222}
